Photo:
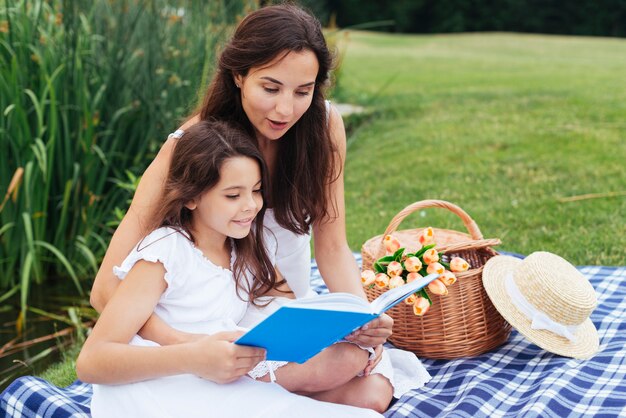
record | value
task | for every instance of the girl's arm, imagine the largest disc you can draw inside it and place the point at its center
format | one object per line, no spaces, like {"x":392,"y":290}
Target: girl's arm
{"x":107,"y":357}
{"x":334,"y":257}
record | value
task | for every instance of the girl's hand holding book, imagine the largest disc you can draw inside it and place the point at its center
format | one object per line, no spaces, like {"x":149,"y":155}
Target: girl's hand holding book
{"x":216,"y":358}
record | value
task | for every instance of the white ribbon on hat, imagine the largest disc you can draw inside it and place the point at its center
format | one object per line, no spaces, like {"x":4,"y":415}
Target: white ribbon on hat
{"x":538,"y":318}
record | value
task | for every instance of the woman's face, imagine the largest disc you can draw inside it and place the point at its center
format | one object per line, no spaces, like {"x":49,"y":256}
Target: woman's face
{"x":276,"y":96}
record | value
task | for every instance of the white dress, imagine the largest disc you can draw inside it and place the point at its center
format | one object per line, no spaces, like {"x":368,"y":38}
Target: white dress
{"x":201,"y":298}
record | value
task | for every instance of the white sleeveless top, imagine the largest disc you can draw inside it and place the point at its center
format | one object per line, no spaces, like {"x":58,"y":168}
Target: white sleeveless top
{"x":293,"y":256}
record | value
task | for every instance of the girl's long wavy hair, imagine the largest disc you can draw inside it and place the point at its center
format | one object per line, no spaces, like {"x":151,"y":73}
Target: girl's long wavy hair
{"x":306,"y":156}
{"x":195,"y":168}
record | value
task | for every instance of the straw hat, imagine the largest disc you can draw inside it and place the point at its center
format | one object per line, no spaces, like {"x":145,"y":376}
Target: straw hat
{"x":547,"y":300}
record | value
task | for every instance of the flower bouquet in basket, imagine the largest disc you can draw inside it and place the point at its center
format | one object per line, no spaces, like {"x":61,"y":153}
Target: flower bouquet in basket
{"x":397,"y":268}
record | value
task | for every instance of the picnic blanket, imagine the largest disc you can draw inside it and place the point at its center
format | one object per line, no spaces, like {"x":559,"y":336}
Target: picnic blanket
{"x":517,"y":379}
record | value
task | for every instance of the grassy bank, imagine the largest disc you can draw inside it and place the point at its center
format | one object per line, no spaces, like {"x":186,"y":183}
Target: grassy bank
{"x":505,"y":125}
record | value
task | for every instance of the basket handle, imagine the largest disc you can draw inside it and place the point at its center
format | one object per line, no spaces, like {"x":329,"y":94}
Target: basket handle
{"x":469,"y":223}
{"x":469,"y":245}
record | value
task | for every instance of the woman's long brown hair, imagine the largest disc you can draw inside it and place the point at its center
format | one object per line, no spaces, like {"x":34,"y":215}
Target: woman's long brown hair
{"x":195,"y":168}
{"x":306,"y":160}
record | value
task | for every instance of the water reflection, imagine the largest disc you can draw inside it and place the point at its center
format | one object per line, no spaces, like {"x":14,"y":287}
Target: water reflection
{"x":50,"y":329}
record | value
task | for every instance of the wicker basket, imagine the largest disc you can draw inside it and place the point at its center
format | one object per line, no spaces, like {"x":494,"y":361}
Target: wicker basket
{"x":463,"y":323}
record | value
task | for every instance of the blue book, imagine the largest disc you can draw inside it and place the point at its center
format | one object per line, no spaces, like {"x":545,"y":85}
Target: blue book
{"x":301,"y":329}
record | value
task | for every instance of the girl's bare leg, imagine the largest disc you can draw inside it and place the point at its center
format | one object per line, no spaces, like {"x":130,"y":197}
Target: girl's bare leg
{"x":331,"y":376}
{"x":332,"y":368}
{"x":372,"y":392}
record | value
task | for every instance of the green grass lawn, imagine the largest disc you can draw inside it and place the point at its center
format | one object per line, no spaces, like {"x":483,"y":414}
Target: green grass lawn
{"x":504,"y":125}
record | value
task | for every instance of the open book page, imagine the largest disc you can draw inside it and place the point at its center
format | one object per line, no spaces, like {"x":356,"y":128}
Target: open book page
{"x":346,"y":302}
{"x":300,"y":329}
{"x":351,"y":303}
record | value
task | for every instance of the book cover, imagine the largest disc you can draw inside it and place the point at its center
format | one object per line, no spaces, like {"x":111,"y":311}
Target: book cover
{"x":302,"y":328}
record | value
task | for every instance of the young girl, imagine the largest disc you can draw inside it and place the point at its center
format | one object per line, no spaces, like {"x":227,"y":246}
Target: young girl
{"x":198,"y":270}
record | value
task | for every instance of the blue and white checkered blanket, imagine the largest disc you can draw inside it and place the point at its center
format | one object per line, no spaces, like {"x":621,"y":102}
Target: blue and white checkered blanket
{"x":517,"y":379}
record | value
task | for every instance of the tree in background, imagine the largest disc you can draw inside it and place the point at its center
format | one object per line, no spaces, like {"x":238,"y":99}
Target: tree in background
{"x":582,"y":17}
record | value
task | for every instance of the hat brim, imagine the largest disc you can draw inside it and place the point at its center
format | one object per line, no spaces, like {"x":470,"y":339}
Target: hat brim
{"x":494,"y":274}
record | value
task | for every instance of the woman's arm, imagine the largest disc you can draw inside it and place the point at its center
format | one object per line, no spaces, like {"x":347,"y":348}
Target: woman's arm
{"x":107,"y":357}
{"x":332,"y":253}
{"x":133,"y":227}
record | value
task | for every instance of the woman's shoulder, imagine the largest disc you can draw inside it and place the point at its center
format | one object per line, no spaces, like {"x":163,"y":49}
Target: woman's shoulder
{"x":189,"y":123}
{"x":162,"y":161}
{"x":334,"y":116}
{"x":178,"y":133}
{"x":336,"y":127}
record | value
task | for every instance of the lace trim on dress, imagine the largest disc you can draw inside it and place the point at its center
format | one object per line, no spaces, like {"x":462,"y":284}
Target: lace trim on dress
{"x":121,"y":271}
{"x":232,"y":256}
{"x":403,"y":370}
{"x":265,"y":367}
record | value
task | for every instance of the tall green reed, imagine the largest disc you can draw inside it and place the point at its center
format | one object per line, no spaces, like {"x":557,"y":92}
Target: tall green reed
{"x":88,"y":92}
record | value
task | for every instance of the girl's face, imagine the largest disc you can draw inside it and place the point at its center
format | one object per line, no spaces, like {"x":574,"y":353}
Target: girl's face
{"x":229,"y":207}
{"x":275,"y":96}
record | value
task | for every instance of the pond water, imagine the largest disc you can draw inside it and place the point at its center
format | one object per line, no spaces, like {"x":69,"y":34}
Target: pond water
{"x":43,"y":339}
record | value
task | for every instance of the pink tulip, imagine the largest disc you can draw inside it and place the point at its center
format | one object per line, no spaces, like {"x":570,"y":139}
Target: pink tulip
{"x":395,"y":281}
{"x":420,"y":306}
{"x":448,"y":278}
{"x":431,"y":256}
{"x":412,"y":264}
{"x":436,"y":287}
{"x":367,"y":277}
{"x":457,"y":264}
{"x":394,"y":269}
{"x":410,"y":300}
{"x":382,"y":280}
{"x":427,"y":236}
{"x":435,"y":268}
{"x":412,"y":276}
{"x":391,"y":244}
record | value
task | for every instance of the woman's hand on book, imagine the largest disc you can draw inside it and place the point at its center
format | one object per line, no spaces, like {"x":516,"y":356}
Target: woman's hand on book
{"x":215,"y":357}
{"x":374,"y":333}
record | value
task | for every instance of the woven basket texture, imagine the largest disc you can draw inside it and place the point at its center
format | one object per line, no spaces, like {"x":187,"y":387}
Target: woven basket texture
{"x":464,"y":322}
